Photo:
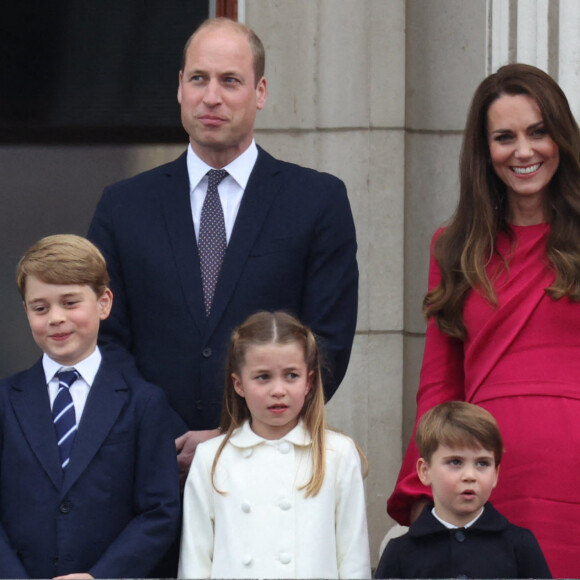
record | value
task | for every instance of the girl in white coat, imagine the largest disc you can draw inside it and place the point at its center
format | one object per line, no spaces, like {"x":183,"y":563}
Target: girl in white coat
{"x":277,"y":495}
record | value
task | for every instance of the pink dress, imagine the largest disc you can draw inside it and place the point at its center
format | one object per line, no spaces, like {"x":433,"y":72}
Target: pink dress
{"x":521,"y":362}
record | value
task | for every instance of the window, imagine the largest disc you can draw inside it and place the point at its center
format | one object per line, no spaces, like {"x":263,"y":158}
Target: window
{"x":101,"y":71}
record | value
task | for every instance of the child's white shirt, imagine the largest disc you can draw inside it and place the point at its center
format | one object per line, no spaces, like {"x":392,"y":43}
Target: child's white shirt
{"x":264,"y":527}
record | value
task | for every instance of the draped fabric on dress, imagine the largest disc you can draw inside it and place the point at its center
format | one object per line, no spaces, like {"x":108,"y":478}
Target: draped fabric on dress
{"x":521,"y":362}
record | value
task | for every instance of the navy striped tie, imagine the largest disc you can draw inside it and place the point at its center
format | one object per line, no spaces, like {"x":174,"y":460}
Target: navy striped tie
{"x":63,"y":414}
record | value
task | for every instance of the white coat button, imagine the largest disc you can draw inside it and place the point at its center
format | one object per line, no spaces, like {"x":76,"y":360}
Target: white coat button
{"x":248,"y":452}
{"x":285,"y":504}
{"x":285,"y":558}
{"x":247,"y":560}
{"x":246,"y":508}
{"x":284,"y":447}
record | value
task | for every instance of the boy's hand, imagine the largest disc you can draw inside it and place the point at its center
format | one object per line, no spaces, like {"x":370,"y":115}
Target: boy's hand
{"x":83,"y":576}
{"x":186,"y":446}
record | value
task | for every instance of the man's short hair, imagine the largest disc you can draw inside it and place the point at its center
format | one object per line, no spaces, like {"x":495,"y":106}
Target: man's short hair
{"x":256,"y":46}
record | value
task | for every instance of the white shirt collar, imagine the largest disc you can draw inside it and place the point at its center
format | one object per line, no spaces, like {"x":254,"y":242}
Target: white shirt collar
{"x":239,"y":169}
{"x":453,"y":526}
{"x":87,"y":368}
{"x":244,"y":437}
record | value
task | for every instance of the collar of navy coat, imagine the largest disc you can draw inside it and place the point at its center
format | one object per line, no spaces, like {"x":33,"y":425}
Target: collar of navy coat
{"x":490,"y":521}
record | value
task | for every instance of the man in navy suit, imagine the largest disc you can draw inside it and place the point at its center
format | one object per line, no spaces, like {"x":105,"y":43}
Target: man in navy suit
{"x":99,"y":497}
{"x":290,"y":236}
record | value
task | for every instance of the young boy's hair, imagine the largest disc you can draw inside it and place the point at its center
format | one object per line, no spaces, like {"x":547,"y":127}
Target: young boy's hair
{"x":63,"y":259}
{"x":458,"y":424}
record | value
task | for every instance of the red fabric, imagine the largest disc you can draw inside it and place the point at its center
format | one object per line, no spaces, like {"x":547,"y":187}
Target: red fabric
{"x":521,"y":361}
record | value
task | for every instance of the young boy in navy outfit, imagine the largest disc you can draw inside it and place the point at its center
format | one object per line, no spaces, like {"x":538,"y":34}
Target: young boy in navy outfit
{"x":88,"y":472}
{"x":462,"y":535}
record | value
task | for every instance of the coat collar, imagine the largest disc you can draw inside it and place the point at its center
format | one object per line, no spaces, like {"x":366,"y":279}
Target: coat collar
{"x":31,"y":404}
{"x":259,"y":195}
{"x":489,"y":521}
{"x":261,"y":190}
{"x":29,"y":396}
{"x":243,"y":437}
{"x":176,"y":208}
{"x":107,"y":397}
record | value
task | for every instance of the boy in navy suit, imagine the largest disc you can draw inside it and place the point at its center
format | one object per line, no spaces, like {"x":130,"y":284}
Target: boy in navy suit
{"x":88,"y":471}
{"x":462,"y":536}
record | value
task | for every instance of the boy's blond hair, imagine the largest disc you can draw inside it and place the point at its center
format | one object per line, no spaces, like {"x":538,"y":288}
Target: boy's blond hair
{"x":458,"y":424}
{"x":63,"y":259}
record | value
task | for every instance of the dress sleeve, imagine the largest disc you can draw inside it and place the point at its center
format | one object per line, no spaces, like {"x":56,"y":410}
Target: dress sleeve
{"x":197,"y":537}
{"x":352,"y":541}
{"x":442,"y":379}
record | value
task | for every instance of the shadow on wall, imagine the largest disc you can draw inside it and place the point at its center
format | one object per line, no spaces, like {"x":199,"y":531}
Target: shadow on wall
{"x":47,"y":190}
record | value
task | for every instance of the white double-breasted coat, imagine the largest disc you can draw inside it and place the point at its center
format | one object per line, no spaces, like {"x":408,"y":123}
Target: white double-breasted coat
{"x":262,"y":526}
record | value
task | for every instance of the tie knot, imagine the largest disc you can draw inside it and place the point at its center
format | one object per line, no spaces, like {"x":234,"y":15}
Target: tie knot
{"x":67,"y":378}
{"x":216,"y":176}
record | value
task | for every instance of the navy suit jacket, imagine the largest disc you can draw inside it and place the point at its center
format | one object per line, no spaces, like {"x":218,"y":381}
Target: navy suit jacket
{"x":293,"y":248}
{"x":115,"y":511}
{"x":490,"y":548}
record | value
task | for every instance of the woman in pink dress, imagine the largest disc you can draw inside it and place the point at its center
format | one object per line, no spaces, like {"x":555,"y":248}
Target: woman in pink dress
{"x":502,"y":306}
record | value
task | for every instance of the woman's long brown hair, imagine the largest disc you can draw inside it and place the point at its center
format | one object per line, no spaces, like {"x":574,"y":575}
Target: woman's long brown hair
{"x":466,"y":245}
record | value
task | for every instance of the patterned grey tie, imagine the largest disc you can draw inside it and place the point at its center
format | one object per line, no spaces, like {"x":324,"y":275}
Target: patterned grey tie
{"x":63,"y":414}
{"x":212,"y":237}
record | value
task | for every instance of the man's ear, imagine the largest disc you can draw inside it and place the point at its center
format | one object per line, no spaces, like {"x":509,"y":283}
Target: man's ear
{"x":261,"y":93}
{"x":179,"y":86}
{"x":424,"y":471}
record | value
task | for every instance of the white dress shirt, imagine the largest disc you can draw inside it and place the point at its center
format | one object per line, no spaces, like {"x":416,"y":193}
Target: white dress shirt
{"x":230,"y":190}
{"x":79,"y":390}
{"x":453,"y":526}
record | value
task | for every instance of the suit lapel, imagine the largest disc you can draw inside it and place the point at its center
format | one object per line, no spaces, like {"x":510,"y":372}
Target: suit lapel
{"x":107,"y":397}
{"x":179,"y":225}
{"x":31,"y":404}
{"x":258,"y":197}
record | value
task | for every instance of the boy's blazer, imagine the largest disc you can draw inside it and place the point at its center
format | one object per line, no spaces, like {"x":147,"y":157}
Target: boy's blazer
{"x":293,"y":247}
{"x":115,"y":511}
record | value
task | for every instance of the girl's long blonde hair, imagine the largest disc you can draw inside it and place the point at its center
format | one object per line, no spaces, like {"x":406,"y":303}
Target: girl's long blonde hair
{"x":265,"y":328}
